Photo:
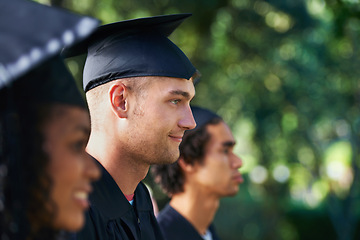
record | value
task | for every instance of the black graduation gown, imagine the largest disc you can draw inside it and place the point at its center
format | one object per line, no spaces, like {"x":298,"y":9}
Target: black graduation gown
{"x":175,"y":227}
{"x":112,"y":217}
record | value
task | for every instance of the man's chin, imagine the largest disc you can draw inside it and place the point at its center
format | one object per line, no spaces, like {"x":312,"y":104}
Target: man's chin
{"x":171,"y":158}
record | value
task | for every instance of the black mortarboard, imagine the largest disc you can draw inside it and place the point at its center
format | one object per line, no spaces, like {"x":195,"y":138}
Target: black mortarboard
{"x":31,"y":33}
{"x":202,"y":116}
{"x":133,"y":48}
{"x":51,"y":82}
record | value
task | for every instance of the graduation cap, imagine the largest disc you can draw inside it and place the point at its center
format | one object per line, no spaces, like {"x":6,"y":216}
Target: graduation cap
{"x":202,"y":116}
{"x":133,"y":48}
{"x":50,"y":83}
{"x":31,"y":33}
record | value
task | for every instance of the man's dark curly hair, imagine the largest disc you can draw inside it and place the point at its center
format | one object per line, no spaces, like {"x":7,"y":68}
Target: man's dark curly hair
{"x":26,"y":210}
{"x":192,"y":150}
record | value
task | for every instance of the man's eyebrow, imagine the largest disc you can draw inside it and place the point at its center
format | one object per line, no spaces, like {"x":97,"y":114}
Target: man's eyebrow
{"x":229,"y":144}
{"x":180,"y":92}
{"x":82,"y":128}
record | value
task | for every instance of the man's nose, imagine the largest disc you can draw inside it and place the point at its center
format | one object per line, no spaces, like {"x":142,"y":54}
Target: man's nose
{"x":187,"y":121}
{"x":237,"y":162}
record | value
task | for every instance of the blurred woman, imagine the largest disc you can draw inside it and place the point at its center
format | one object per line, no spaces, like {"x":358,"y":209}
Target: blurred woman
{"x":45,"y":171}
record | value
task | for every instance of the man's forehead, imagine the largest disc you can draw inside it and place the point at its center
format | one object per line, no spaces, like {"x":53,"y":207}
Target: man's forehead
{"x":171,"y":83}
{"x":221,"y":133}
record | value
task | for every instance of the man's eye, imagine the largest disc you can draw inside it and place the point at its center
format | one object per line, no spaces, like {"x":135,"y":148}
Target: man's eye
{"x":175,"y":101}
{"x":79,"y":146}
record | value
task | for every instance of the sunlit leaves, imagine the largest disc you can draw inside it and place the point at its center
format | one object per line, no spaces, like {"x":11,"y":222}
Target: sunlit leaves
{"x":280,"y":21}
{"x":289,"y":122}
{"x":272,"y":83}
{"x":338,"y":167}
{"x":281,"y":173}
{"x":316,"y":7}
{"x":306,"y":157}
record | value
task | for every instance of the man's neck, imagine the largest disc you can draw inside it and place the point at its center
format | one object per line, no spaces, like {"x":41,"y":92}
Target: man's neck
{"x":126,"y":172}
{"x":197,"y":208}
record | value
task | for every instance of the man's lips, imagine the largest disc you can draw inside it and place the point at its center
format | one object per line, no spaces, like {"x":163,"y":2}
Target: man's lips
{"x":238,"y":178}
{"x":176,"y":138}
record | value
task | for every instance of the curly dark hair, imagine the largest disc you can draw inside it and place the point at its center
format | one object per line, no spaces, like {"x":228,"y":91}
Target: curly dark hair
{"x":170,"y":176}
{"x":26,"y":210}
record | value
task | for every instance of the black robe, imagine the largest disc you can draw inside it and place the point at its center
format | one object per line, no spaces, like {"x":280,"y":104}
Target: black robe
{"x":175,"y":227}
{"x":112,"y":217}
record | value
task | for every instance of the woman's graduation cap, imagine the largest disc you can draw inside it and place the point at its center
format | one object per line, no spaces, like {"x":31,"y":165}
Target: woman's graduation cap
{"x":133,"y":48}
{"x":32,"y":33}
{"x":31,"y":38}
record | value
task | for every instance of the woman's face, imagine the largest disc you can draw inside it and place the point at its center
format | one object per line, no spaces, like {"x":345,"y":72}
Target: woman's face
{"x":70,"y":167}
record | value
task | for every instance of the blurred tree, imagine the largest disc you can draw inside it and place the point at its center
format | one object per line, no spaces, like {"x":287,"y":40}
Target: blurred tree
{"x":285,"y":76}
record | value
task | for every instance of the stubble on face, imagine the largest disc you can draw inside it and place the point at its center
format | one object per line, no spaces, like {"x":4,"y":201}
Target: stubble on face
{"x":150,"y":143}
{"x":154,"y":129}
{"x":151,"y":125}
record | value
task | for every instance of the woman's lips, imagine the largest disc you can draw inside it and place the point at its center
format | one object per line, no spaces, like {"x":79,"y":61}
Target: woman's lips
{"x":82,"y":198}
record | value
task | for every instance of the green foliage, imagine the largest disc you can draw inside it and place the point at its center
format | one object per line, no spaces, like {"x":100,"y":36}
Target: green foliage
{"x":285,"y":77}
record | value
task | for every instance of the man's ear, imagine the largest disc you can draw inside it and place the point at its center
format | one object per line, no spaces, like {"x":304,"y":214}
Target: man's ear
{"x":186,"y":167}
{"x":118,"y":97}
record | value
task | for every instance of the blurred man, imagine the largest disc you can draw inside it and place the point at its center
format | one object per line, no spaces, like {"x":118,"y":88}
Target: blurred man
{"x":206,"y":171}
{"x":138,"y":87}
